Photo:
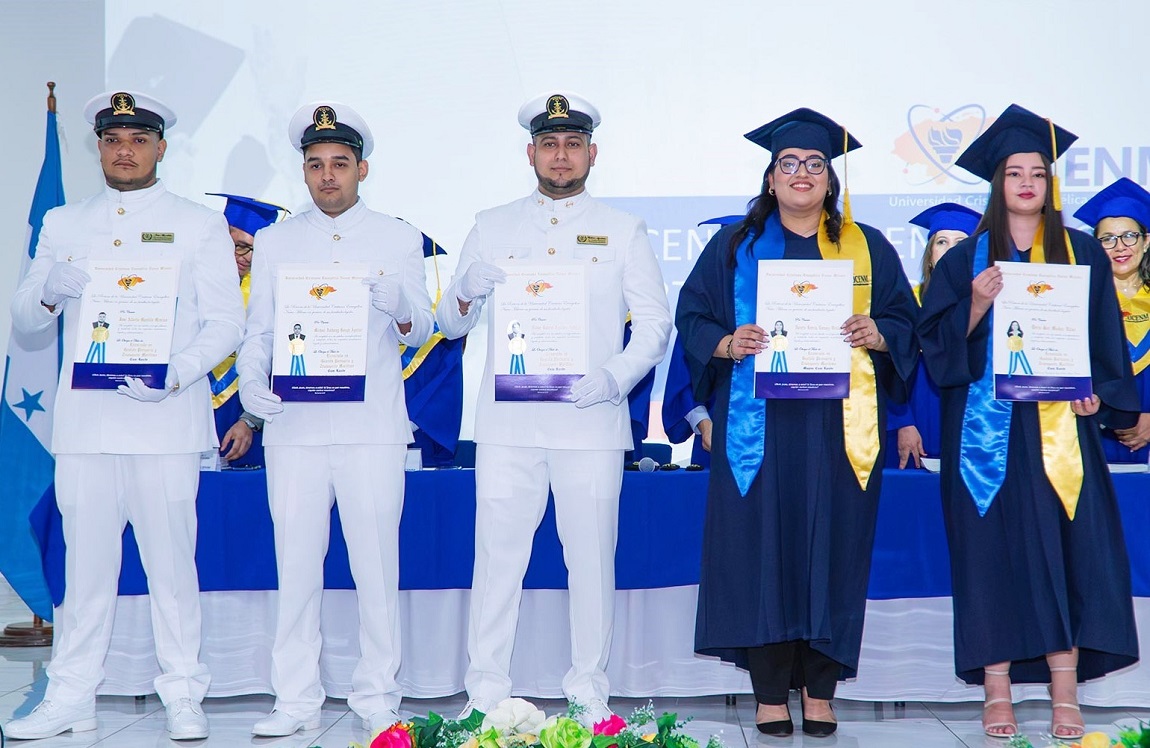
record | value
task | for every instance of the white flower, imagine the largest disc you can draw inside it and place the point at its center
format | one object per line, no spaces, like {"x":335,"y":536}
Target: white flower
{"x":512,"y":716}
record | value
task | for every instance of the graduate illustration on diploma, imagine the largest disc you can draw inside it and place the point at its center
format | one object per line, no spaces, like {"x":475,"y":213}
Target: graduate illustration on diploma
{"x":296,"y":347}
{"x":1014,"y":345}
{"x":517,"y":344}
{"x":99,"y":343}
{"x":779,"y":348}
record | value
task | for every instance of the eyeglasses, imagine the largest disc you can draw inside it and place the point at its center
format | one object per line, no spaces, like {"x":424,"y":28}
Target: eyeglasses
{"x":790,"y":164}
{"x":1129,"y":239}
{"x":243,"y":249}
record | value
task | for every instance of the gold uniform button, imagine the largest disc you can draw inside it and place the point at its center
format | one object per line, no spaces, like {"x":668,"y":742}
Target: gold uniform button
{"x":116,"y":243}
{"x":336,"y":237}
{"x":551,"y":251}
{"x":120,"y":211}
{"x":554,"y":221}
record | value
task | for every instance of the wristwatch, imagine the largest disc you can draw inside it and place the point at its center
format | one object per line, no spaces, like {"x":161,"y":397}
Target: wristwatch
{"x":250,"y":423}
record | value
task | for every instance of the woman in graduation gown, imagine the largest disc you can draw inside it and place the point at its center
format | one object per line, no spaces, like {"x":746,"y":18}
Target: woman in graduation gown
{"x":1038,"y":562}
{"x":916,"y":424}
{"x":790,"y":518}
{"x":1120,"y":215}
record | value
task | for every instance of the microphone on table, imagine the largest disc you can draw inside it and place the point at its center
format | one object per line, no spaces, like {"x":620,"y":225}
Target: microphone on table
{"x":647,"y":465}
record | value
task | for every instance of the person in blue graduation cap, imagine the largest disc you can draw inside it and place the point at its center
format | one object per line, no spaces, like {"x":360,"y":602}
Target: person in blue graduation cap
{"x":1038,"y":562}
{"x":433,"y":384}
{"x":793,"y":495}
{"x":239,"y":431}
{"x":683,"y":415}
{"x":915,"y":424}
{"x":1120,"y":215}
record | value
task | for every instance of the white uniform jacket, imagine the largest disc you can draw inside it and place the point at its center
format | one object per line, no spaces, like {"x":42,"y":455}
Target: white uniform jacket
{"x":622,"y":276}
{"x":209,"y":318}
{"x":386,"y":245}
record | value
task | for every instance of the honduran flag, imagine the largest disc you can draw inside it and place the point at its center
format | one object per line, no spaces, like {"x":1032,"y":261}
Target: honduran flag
{"x":31,"y":371}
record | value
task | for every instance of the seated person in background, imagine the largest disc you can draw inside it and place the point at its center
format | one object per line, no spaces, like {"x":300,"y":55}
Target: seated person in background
{"x":913,"y":427}
{"x":1120,"y":215}
{"x":239,"y":431}
{"x":433,"y":384}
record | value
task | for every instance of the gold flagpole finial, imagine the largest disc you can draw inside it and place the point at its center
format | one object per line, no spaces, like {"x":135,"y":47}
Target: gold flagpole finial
{"x":52,"y":97}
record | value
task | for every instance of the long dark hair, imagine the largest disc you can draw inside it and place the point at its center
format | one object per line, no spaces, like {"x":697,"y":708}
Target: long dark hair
{"x":996,"y":221}
{"x":766,"y":203}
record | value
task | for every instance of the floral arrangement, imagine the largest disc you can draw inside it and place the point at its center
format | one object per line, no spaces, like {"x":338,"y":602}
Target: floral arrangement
{"x":1128,"y":737}
{"x":516,"y":723}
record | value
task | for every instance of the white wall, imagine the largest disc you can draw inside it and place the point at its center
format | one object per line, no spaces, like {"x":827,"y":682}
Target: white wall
{"x":43,"y":40}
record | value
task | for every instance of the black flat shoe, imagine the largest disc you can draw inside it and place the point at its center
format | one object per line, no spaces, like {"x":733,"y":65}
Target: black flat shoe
{"x":780,"y":728}
{"x":817,"y":729}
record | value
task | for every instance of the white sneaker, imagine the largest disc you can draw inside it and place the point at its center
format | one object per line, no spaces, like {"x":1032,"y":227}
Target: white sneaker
{"x":186,"y":720}
{"x":380,"y":721}
{"x":280,"y":724}
{"x":594,"y":711}
{"x":475,"y":704}
{"x":52,"y":718}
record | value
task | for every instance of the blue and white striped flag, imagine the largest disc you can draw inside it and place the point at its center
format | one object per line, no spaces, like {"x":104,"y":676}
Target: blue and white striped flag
{"x":30,"y":375}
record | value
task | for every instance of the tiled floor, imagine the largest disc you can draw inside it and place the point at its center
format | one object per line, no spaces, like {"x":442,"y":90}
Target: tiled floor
{"x":133,"y":723}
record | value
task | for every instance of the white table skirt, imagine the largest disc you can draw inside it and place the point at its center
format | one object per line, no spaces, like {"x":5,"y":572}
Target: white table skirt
{"x":907,"y":652}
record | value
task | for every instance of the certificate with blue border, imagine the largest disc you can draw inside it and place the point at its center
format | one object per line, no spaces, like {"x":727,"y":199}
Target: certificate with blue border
{"x":1041,"y":332}
{"x":124,"y":329}
{"x":802,"y":305}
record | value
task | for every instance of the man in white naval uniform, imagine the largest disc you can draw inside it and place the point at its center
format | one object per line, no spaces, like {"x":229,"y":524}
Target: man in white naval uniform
{"x":317,"y":452}
{"x":574,"y":447}
{"x":131,"y":455}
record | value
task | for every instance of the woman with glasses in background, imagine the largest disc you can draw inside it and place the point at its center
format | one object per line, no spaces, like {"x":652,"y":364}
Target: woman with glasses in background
{"x":791,"y":516}
{"x":1120,"y":215}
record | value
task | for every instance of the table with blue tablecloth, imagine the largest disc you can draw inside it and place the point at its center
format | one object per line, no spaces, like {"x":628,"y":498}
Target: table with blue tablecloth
{"x":906,"y":645}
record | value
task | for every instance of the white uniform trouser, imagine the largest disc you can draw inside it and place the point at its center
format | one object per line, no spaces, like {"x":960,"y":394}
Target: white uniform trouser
{"x":303,"y":482}
{"x":511,"y":495}
{"x":97,"y":494}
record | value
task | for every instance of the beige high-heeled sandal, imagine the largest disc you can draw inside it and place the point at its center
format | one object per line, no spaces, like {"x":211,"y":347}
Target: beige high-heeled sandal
{"x":1073,"y":730}
{"x":988,"y":727}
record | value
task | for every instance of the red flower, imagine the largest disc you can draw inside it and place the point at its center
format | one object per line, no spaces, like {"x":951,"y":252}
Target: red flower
{"x":396,"y":736}
{"x":611,"y":726}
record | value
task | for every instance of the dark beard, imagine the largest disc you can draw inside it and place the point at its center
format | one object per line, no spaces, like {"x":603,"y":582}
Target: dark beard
{"x":566,"y":188}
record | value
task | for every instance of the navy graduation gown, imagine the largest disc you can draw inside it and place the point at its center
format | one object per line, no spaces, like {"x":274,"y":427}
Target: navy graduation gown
{"x":923,"y":411}
{"x":1027,"y":580}
{"x":226,"y":416}
{"x":1115,"y":450}
{"x":678,"y":401}
{"x":791,"y":560}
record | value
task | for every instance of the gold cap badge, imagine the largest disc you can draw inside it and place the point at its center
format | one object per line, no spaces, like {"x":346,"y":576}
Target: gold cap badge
{"x":557,"y":106}
{"x":324,"y":118}
{"x":123,"y":103}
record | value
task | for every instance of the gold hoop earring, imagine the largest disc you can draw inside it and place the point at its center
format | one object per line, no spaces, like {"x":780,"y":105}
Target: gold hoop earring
{"x":770,"y":190}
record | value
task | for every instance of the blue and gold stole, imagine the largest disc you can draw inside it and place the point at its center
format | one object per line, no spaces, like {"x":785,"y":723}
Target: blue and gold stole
{"x":986,"y":421}
{"x":1136,"y":322}
{"x":223,"y":379}
{"x":747,"y":418}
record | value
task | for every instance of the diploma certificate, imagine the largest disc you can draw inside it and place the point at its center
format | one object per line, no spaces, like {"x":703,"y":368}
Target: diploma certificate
{"x":320,"y":351}
{"x":1041,"y":335}
{"x":539,"y":327}
{"x":126,"y":317}
{"x":802,"y":305}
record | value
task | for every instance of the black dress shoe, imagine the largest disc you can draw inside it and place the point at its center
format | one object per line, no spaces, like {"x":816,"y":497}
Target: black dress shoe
{"x":780,"y":728}
{"x":817,"y":729}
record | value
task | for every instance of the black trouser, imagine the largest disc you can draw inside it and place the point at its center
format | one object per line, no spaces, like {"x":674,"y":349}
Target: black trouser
{"x":777,"y":668}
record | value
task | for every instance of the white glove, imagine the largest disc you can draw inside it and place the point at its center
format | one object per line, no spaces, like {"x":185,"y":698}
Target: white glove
{"x":64,"y":281}
{"x":594,"y":388}
{"x":137,"y":390}
{"x":479,"y":280}
{"x":258,"y":400}
{"x":387,"y":296}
